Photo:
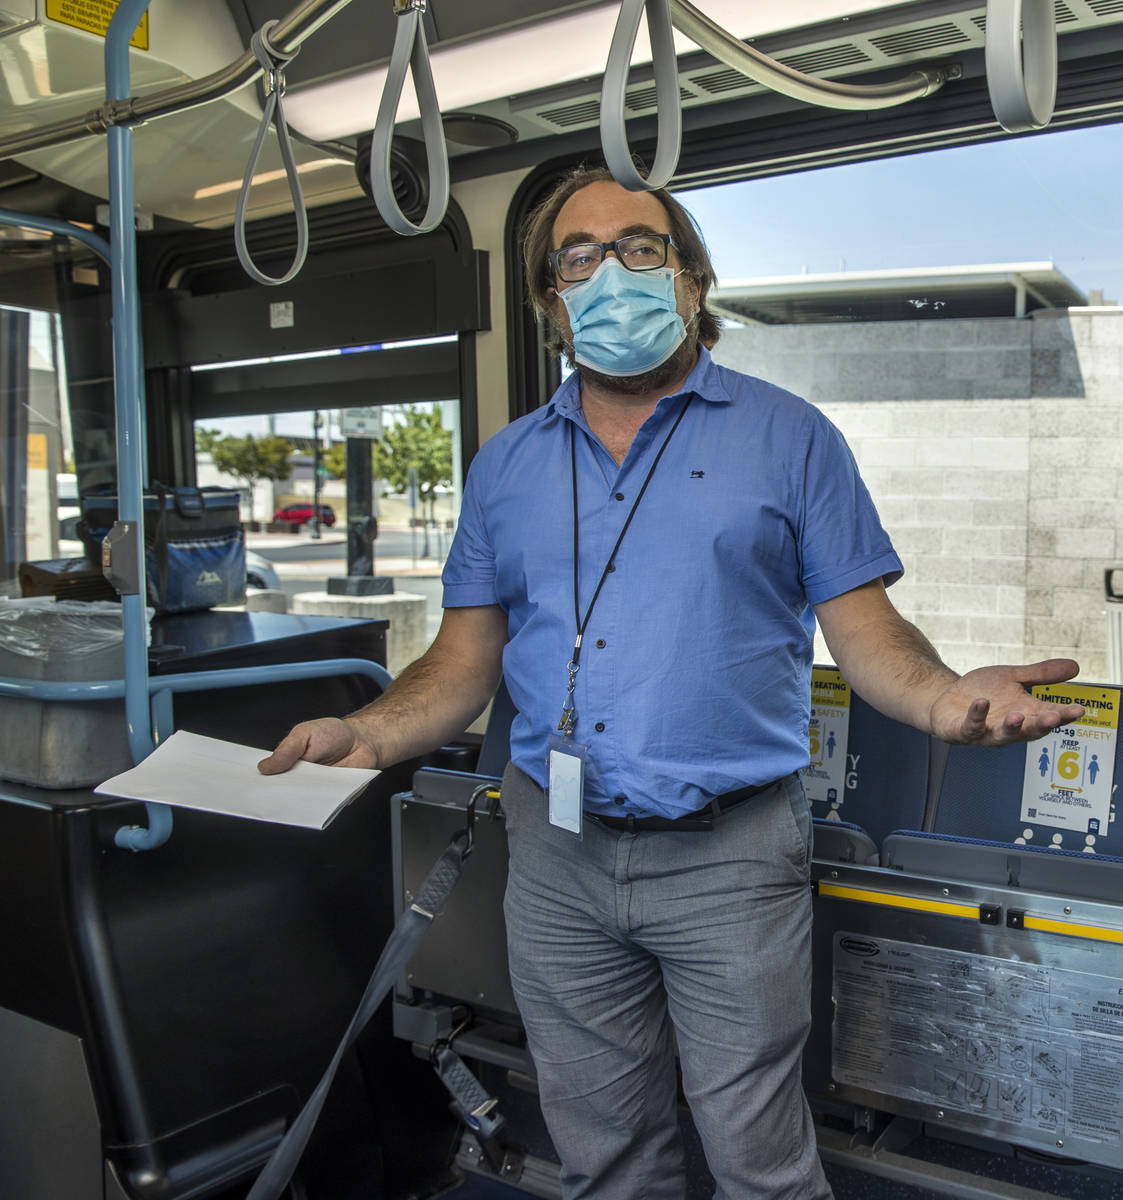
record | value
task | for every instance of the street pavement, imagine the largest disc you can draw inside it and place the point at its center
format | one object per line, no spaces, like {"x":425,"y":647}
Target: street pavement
{"x":304,"y":563}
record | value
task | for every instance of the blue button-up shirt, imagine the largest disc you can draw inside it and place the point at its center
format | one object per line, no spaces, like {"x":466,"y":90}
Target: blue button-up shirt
{"x":695,"y":666}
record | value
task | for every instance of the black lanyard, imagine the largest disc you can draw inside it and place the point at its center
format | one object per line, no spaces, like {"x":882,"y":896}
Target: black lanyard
{"x":569,"y":717}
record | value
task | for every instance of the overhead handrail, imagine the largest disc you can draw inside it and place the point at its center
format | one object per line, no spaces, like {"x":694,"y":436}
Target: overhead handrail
{"x":410,"y":53}
{"x":288,"y":34}
{"x":273,"y":61}
{"x":1021,"y":62}
{"x":614,"y":137}
{"x":826,"y":93}
{"x":730,"y":50}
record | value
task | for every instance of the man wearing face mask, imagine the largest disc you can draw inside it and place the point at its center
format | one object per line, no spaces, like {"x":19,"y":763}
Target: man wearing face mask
{"x":644,"y":559}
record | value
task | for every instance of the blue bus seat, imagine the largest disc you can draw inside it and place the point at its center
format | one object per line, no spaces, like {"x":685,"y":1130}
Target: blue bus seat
{"x":843,"y":841}
{"x":980,"y":797}
{"x":1071,"y":873}
{"x":495,"y":752}
{"x":886,"y":779}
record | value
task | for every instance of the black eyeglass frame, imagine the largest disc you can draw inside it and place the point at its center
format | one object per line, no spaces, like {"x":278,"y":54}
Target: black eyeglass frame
{"x":554,"y":256}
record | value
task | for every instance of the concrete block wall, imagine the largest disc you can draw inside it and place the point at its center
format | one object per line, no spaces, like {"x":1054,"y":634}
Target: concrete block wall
{"x":993,"y":450}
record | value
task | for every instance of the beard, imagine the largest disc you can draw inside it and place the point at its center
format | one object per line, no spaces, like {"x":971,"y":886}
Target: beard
{"x":670,"y":370}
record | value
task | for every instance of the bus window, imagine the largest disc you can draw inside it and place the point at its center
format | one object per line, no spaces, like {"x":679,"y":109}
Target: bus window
{"x":965,"y":338}
{"x":295,"y":472}
{"x":38,"y":493}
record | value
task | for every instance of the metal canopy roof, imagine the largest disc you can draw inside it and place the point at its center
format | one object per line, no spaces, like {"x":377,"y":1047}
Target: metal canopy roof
{"x":906,"y":294}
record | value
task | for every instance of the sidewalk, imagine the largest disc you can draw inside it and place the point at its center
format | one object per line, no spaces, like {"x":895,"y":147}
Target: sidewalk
{"x":327,"y":557}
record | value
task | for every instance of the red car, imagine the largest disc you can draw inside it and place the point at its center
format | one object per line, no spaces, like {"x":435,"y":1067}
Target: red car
{"x":299,"y":514}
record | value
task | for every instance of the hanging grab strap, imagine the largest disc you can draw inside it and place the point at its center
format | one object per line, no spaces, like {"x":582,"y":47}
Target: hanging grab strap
{"x":1021,"y":59}
{"x":614,"y":137}
{"x":411,"y":52}
{"x":273,"y":62}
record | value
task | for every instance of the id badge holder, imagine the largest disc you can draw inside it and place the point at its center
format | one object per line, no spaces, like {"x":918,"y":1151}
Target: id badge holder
{"x":566,"y":761}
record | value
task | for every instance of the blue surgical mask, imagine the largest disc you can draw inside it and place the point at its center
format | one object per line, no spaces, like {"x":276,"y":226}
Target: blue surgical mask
{"x":624,"y":322}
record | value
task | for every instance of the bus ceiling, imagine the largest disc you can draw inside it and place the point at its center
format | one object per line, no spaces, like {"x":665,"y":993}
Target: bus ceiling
{"x":577,"y":79}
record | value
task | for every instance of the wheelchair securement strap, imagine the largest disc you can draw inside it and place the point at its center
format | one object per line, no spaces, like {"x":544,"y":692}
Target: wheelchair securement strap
{"x":411,"y":927}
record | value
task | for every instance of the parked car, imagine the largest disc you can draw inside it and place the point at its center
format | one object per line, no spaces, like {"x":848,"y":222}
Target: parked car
{"x":260,"y":572}
{"x":298,"y":514}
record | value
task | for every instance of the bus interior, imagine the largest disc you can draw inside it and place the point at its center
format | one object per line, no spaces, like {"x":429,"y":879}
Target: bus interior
{"x":235,"y":210}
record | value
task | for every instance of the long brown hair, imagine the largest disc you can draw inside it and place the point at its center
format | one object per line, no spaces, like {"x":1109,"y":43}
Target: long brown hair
{"x":539,"y":236}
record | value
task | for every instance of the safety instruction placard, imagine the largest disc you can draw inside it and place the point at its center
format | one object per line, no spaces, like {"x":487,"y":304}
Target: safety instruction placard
{"x":828,"y":732}
{"x":1033,"y":1052}
{"x":1068,"y":773}
{"x":93,"y":16}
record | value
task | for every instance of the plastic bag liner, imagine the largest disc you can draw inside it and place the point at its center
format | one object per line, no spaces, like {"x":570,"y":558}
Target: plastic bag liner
{"x":194,"y":546}
{"x":45,"y":638}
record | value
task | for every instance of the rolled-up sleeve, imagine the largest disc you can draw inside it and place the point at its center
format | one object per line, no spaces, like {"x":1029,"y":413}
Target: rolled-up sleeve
{"x":842,"y":541}
{"x":469,"y":573}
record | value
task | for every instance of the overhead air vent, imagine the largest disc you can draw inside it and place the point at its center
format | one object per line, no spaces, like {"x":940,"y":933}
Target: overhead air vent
{"x":913,"y":41}
{"x":716,"y":82}
{"x":642,"y":98}
{"x":828,"y":58}
{"x":1105,"y":8}
{"x":1062,"y":14}
{"x":569,"y":116}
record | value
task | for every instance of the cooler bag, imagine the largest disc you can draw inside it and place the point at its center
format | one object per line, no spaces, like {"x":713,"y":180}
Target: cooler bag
{"x":194,"y":546}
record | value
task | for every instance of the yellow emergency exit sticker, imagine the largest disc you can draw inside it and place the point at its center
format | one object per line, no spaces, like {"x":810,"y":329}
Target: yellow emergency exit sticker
{"x":36,"y":451}
{"x":93,"y":16}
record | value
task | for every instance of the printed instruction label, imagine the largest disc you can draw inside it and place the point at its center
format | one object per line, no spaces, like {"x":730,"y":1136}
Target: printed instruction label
{"x":1031,"y":1051}
{"x":93,"y":16}
{"x":1068,"y":773}
{"x":824,"y":779}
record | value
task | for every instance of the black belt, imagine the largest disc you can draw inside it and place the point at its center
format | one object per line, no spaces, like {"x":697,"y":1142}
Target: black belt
{"x":700,"y":820}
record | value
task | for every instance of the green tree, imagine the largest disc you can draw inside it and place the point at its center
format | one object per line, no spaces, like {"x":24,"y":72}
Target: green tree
{"x":205,"y":439}
{"x":250,"y":459}
{"x":421,"y":442}
{"x":334,"y":460}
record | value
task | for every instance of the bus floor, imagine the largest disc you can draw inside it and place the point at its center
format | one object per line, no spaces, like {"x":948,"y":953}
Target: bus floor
{"x":925,"y":1167}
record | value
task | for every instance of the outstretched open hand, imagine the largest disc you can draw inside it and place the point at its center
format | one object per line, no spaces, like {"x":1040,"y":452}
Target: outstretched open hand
{"x":991,"y":706}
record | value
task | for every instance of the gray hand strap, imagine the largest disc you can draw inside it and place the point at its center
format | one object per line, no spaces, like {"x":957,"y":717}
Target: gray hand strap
{"x":411,"y":52}
{"x":273,"y":62}
{"x":614,"y":137}
{"x":1021,"y":60}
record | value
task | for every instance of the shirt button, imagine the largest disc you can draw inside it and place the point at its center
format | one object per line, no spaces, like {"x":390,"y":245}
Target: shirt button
{"x":619,"y":495}
{"x":601,"y":643}
{"x":599,"y":727}
{"x":611,"y":567}
{"x":619,"y":799}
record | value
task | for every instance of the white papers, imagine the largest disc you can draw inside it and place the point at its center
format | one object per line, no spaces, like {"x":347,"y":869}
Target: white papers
{"x":192,"y":771}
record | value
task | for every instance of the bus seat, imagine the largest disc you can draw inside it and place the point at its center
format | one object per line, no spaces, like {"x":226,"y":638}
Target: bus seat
{"x":843,"y":841}
{"x":1072,"y":873}
{"x":496,"y":748}
{"x":981,"y":797}
{"x":885,"y":782}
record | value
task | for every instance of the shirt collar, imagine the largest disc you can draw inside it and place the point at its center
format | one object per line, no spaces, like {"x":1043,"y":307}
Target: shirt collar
{"x":704,"y":380}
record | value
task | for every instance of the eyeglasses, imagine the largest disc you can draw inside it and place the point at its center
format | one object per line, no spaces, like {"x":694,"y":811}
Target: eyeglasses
{"x":637,"y":252}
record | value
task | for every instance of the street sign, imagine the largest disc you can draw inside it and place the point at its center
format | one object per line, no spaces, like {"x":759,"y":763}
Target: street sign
{"x":361,"y":422}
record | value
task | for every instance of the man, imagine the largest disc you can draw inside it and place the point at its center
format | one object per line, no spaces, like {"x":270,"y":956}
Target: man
{"x":645,"y":559}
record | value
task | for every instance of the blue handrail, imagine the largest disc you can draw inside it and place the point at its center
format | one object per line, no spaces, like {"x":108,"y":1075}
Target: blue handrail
{"x":194,"y":681}
{"x":49,"y":225}
{"x":159,"y":709}
{"x":127,"y":370}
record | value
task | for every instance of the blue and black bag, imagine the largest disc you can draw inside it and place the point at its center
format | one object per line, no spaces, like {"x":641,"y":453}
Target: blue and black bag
{"x":194,"y":545}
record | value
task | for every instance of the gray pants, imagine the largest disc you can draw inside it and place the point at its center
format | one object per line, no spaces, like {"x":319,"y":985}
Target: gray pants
{"x":622,"y":944}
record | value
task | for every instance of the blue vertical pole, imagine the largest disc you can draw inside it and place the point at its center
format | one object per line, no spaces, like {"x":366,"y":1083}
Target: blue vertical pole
{"x":128,"y":360}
